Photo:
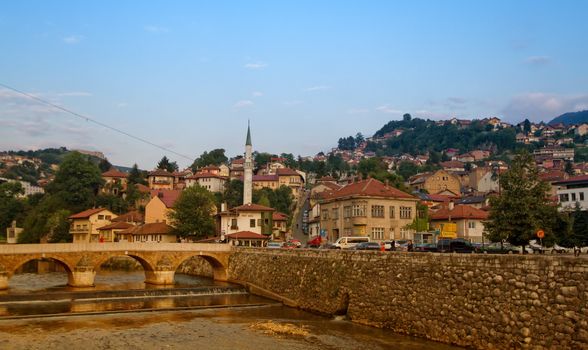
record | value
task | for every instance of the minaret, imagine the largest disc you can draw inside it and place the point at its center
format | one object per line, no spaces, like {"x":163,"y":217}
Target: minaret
{"x":248,"y":170}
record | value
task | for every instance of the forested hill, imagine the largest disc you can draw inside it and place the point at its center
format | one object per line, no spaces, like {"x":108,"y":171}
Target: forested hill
{"x":571,"y":118}
{"x":423,"y":136}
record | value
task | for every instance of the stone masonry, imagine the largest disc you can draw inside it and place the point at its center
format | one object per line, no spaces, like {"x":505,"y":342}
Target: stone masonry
{"x":479,"y":301}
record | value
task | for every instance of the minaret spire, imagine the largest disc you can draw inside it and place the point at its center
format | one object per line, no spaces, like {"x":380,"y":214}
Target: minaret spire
{"x":248,"y":169}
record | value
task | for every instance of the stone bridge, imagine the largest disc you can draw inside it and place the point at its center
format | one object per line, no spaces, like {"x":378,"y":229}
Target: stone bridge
{"x":82,"y":260}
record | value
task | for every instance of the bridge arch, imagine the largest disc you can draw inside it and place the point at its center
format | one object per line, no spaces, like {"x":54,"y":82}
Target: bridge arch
{"x":219,"y":264}
{"x":10,"y":267}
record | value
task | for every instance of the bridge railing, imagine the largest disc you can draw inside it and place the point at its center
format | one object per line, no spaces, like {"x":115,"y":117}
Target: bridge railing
{"x":111,"y":247}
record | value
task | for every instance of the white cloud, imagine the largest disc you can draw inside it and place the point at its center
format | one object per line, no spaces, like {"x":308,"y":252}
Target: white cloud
{"x":317,"y":88}
{"x":156,"y":29}
{"x":537,"y":60}
{"x":244,"y":104}
{"x":255,"y":65}
{"x":387,"y":109}
{"x":73,"y":39}
{"x":539,"y":106}
{"x":257,"y":94}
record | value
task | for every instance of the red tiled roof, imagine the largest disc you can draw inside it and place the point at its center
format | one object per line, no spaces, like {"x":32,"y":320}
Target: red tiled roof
{"x":369,"y":187}
{"x":114,"y":173}
{"x":252,"y":207}
{"x":116,"y":226}
{"x":160,"y":172}
{"x":459,"y":212}
{"x":132,"y":216}
{"x":206,"y":175}
{"x":168,"y":197}
{"x":277,"y":216}
{"x":438,"y":197}
{"x":580,"y":178}
{"x":86,"y":213}
{"x":452,"y":164}
{"x":246,"y":235}
{"x":264,"y":178}
{"x":142,"y":188}
{"x":156,"y":228}
{"x":554,"y":175}
{"x":238,"y":161}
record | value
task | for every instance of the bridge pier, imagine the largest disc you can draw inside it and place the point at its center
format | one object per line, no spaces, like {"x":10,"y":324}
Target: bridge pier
{"x":160,"y":277}
{"x":81,"y":278}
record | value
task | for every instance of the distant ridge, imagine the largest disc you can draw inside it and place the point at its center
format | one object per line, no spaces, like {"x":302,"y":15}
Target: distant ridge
{"x":571,"y":118}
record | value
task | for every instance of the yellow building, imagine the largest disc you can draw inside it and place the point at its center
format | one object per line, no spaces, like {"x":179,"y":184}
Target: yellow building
{"x":115,"y":181}
{"x":84,"y":225}
{"x":290,"y":178}
{"x":367,"y":208}
{"x":161,"y":203}
{"x":439,"y":182}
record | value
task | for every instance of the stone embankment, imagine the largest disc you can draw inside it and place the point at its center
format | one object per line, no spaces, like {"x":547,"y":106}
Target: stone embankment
{"x":480,"y":301}
{"x":196,"y":266}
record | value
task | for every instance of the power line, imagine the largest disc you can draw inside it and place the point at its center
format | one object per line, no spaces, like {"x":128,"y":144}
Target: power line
{"x":88,"y":119}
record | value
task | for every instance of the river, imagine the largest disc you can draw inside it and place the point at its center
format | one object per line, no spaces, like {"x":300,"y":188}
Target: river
{"x":40,"y":312}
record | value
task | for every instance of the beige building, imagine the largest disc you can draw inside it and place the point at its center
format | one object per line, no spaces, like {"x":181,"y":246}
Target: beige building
{"x":115,"y":181}
{"x":482,"y":180}
{"x":367,"y":208}
{"x":441,"y":181}
{"x":291,"y":178}
{"x":248,"y":217}
{"x":211,"y":181}
{"x":84,"y":225}
{"x":161,"y":203}
{"x":160,"y":179}
{"x":157,"y":232}
{"x":468,"y":221}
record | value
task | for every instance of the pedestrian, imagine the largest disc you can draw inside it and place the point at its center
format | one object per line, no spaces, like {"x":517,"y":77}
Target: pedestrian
{"x":393,"y":245}
{"x":382,"y":247}
{"x":410,"y":246}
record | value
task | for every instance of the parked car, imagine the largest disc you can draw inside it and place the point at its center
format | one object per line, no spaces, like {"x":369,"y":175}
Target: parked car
{"x":497,"y":248}
{"x":296,"y":242}
{"x":350,"y":242}
{"x":274,"y":245}
{"x":425,"y":247}
{"x":537,"y":248}
{"x":457,"y":245}
{"x":561,"y":250}
{"x":289,"y":245}
{"x":367,"y":246}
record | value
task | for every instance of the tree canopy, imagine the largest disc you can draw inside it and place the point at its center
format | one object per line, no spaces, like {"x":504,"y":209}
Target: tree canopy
{"x":523,"y":206}
{"x":192,"y":213}
{"x":166,"y":164}
{"x":214,"y":157}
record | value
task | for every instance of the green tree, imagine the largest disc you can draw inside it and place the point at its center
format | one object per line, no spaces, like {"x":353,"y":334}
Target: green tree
{"x":214,"y":157}
{"x":261,"y":159}
{"x":523,"y":206}
{"x":76,"y":183}
{"x":233,"y":194}
{"x":104,"y":165}
{"x":136,"y":176}
{"x":192,"y":214}
{"x":421,"y":221}
{"x":165,"y":164}
{"x":527,"y":126}
{"x":407,"y":169}
{"x":569,"y":168}
{"x":579,"y":235}
{"x":58,"y":227}
{"x":10,"y":205}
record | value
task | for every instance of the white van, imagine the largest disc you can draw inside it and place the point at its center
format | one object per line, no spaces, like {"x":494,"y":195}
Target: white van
{"x":349,"y":242}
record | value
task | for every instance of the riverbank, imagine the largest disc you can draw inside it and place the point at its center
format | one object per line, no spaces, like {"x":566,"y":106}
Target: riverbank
{"x":242,"y":328}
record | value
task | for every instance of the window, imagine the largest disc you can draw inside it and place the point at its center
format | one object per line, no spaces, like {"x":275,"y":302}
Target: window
{"x":325,"y":214}
{"x":581,"y":196}
{"x":392,"y":212}
{"x":100,"y":217}
{"x":471,"y":224}
{"x":234,"y":224}
{"x":108,"y":217}
{"x":258,"y":222}
{"x":359,"y":210}
{"x":564,"y":197}
{"x":405,"y":212}
{"x":573,"y":197}
{"x":377,"y":211}
{"x":251,"y":222}
{"x":335,"y":213}
{"x":377,"y":233}
{"x":347,"y":211}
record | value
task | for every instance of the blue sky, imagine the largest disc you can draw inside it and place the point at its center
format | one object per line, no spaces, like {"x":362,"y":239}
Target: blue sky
{"x":188,"y":75}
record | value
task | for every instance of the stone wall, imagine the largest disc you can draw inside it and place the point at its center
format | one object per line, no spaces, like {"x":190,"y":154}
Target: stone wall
{"x":479,"y":301}
{"x":196,"y":266}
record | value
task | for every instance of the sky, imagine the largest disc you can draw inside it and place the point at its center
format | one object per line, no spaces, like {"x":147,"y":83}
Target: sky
{"x":188,"y":75}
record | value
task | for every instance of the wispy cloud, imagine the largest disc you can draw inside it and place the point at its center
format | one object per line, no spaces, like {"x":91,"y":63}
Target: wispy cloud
{"x":387,"y":109}
{"x":73,"y":39}
{"x":243,"y":104}
{"x":255,"y":65}
{"x":537,"y":60}
{"x":156,"y":29}
{"x":257,"y":94}
{"x":538,"y":106}
{"x":317,"y":88}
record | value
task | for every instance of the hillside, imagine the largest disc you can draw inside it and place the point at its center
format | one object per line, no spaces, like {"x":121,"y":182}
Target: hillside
{"x":571,"y":118}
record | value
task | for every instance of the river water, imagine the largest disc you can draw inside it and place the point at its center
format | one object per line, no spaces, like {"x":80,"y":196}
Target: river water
{"x":40,"y":312}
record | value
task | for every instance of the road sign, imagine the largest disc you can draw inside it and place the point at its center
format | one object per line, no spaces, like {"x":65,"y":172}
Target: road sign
{"x":540,"y":234}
